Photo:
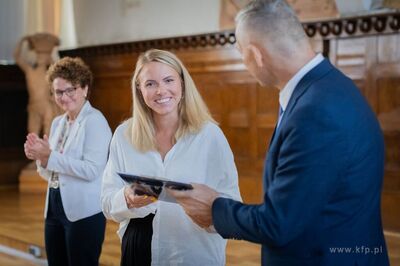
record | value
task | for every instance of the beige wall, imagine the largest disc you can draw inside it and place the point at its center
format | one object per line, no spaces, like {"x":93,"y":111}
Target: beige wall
{"x":105,"y":21}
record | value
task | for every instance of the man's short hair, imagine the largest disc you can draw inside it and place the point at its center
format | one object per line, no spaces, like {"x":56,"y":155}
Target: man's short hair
{"x":274,"y":19}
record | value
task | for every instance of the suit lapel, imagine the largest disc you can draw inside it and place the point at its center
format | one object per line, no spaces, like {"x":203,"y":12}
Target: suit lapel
{"x":272,"y":156}
{"x":314,"y":74}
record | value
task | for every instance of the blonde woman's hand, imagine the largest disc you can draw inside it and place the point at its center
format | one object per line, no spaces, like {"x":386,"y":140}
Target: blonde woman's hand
{"x":136,"y":201}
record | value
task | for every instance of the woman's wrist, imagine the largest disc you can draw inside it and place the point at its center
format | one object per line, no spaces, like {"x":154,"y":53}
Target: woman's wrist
{"x":126,"y":194}
{"x":43,"y":162}
{"x":45,"y":159}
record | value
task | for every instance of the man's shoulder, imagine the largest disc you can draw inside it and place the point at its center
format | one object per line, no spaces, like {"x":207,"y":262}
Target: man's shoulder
{"x":330,"y":89}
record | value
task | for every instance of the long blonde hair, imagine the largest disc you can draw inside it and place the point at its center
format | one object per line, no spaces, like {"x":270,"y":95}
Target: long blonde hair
{"x":192,"y":111}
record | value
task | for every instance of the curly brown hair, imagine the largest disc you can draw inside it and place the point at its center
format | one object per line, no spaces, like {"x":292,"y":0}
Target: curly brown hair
{"x":73,"y":70}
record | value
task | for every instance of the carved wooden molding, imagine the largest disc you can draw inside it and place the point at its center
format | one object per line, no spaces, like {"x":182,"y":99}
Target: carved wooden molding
{"x":354,"y":26}
{"x":328,"y":29}
{"x":175,"y":43}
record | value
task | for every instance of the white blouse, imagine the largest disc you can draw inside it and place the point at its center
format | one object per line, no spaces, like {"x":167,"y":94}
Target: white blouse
{"x":200,"y":158}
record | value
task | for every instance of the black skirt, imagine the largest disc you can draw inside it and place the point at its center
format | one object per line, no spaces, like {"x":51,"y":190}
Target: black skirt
{"x":136,"y":242}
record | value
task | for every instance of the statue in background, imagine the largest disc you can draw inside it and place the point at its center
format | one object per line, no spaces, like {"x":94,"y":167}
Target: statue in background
{"x":41,"y":106}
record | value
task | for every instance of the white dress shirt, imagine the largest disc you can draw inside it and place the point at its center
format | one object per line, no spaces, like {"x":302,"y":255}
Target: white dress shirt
{"x":80,"y":166}
{"x":287,"y":91}
{"x":201,"y":158}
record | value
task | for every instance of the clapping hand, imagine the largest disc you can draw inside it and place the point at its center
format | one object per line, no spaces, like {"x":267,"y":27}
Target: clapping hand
{"x":37,"y":149}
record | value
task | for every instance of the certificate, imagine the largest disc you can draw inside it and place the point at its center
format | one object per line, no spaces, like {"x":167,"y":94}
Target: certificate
{"x":153,"y":186}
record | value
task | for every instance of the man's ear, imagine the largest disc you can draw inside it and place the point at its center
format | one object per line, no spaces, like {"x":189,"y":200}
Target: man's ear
{"x":257,"y":55}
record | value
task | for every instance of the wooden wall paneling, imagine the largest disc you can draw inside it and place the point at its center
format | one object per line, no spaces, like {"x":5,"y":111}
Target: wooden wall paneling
{"x":13,"y":121}
{"x":267,"y":115}
{"x":386,"y":77}
{"x":390,"y":210}
{"x":388,"y":49}
{"x":112,"y":85}
{"x":389,"y":117}
{"x":349,"y":57}
{"x":113,"y":96}
{"x":388,"y":97}
{"x":392,"y":167}
{"x":213,"y":96}
{"x":371,"y":62}
{"x":333,"y":51}
{"x":237,"y":118}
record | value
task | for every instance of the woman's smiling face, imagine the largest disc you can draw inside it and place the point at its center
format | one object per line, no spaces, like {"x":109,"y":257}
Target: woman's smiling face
{"x":161,"y":88}
{"x":68,"y":97}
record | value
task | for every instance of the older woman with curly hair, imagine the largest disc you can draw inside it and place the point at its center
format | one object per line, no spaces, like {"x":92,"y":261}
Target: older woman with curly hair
{"x":72,"y":160}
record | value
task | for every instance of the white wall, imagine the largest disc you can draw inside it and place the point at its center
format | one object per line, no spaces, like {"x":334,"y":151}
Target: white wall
{"x":91,"y":22}
{"x":11,"y":27}
{"x":112,"y":21}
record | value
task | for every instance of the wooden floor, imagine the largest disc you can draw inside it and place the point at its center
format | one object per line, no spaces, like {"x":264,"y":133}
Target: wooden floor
{"x":21,"y":225}
{"x":8,"y":260}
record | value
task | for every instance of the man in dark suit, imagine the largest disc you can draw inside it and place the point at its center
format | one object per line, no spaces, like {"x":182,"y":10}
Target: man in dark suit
{"x":324,"y":168}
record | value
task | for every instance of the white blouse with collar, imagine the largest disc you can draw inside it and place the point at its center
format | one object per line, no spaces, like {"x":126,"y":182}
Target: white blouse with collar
{"x":200,"y":158}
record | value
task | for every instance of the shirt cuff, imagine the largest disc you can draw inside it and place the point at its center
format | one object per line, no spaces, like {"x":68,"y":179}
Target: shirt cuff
{"x":120,"y":208}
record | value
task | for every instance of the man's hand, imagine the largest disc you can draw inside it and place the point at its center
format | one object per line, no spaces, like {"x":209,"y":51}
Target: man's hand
{"x":197,"y":203}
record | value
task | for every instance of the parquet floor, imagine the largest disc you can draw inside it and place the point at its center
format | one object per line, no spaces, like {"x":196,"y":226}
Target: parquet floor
{"x":7,"y":260}
{"x":21,"y":225}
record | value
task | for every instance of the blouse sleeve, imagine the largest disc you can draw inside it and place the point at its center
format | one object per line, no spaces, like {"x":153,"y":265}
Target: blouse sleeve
{"x":95,"y":152}
{"x":112,"y":193}
{"x":227,"y":185}
{"x":43,"y":172}
{"x":224,"y":166}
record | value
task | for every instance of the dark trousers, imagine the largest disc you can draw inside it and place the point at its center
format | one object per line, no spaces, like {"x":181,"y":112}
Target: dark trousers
{"x":72,"y":243}
{"x":136,"y":242}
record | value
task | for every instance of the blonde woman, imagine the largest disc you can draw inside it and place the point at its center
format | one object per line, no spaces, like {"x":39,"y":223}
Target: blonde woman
{"x":171,"y":134}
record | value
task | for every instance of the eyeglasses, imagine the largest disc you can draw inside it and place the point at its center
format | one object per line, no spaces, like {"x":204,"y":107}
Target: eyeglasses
{"x":69,"y":92}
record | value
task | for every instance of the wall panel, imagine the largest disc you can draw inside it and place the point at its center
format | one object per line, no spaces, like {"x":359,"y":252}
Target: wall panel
{"x":13,"y":120}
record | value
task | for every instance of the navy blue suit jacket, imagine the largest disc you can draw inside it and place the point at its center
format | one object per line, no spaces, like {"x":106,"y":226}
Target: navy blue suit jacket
{"x":322,"y":181}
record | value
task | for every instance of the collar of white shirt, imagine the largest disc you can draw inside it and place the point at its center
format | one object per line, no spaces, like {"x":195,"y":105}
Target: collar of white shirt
{"x":286,"y":92}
